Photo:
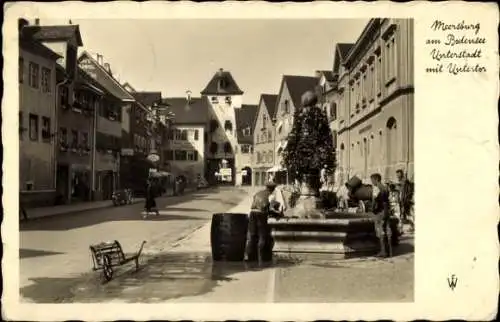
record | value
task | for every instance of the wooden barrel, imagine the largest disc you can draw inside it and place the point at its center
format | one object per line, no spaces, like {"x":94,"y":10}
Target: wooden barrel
{"x":228,"y":236}
{"x":354,"y":183}
{"x":363,"y":192}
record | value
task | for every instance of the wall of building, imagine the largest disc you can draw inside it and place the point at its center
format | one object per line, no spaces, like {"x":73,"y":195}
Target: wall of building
{"x":37,"y":157}
{"x":283,"y":119}
{"x":377,"y":111}
{"x":222,"y":112}
{"x":189,"y":168}
{"x":264,"y":146}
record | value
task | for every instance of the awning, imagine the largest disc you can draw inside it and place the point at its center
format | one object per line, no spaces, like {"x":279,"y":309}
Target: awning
{"x":275,"y":168}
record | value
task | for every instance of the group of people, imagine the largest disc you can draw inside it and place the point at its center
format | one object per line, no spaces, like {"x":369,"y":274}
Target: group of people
{"x":393,"y":199}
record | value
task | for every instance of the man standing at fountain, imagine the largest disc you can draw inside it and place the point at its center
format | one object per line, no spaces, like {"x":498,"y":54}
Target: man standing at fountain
{"x":381,"y":210}
{"x":259,"y":240}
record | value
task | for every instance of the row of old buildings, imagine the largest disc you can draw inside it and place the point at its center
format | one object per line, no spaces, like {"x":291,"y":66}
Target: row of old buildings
{"x":367,"y":96}
{"x":81,"y":132}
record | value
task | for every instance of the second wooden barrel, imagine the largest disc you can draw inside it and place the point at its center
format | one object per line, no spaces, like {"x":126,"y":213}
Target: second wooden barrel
{"x":228,"y":236}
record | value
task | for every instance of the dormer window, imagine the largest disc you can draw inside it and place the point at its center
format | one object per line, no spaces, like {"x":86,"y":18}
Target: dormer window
{"x":286,"y":107}
{"x":247,"y":131}
{"x":222,"y":83}
{"x":228,"y":126}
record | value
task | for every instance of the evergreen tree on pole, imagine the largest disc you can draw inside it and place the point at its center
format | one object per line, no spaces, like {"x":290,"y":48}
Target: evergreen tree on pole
{"x":310,"y":142}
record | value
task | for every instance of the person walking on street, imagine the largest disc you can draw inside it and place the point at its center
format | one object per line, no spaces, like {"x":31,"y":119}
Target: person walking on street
{"x":259,"y":240}
{"x":406,"y":191}
{"x":150,"y":199}
{"x":381,"y":210}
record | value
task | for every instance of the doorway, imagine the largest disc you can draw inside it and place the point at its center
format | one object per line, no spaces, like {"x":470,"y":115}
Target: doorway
{"x":246,"y":176}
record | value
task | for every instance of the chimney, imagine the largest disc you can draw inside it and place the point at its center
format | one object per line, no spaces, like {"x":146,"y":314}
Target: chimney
{"x":37,"y":22}
{"x":22,"y":23}
{"x":107,"y":67}
{"x":188,"y":96}
{"x":99,"y":59}
{"x":221,"y":70}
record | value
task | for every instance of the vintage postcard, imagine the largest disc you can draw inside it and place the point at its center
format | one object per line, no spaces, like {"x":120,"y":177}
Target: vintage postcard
{"x":250,"y":160}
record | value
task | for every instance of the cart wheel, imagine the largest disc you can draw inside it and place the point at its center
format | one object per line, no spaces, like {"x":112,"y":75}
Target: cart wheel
{"x":107,"y":269}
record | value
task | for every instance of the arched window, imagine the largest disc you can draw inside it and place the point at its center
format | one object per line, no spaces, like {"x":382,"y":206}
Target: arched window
{"x":227,"y":147}
{"x":213,"y":147}
{"x":228,"y":126}
{"x":184,"y":135}
{"x":333,"y":111}
{"x":214,"y":125}
{"x":391,"y":145}
{"x":334,"y":139}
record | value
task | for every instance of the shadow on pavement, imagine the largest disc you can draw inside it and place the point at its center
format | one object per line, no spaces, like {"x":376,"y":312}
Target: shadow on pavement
{"x":124,"y":213}
{"x":162,"y":277}
{"x":28,"y":253}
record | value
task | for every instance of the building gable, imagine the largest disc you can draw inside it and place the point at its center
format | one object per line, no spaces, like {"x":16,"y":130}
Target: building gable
{"x":261,"y":112}
{"x":222,"y":83}
{"x":96,"y":71}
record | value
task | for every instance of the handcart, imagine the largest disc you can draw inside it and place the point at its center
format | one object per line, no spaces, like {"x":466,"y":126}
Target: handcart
{"x":107,"y":255}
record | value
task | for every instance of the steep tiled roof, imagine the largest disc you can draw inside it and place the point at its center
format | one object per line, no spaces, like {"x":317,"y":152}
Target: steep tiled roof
{"x":270,"y":101}
{"x":147,"y":98}
{"x":344,"y":50}
{"x":55,"y":33}
{"x":298,"y":85}
{"x":194,"y":113}
{"x":229,"y":86}
{"x":106,"y":80}
{"x":245,"y":117}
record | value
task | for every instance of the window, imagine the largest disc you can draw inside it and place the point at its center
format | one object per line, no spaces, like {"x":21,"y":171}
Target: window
{"x":215,"y":100}
{"x":45,"y":80}
{"x":379,"y":76}
{"x":264,"y":121}
{"x":21,"y":70}
{"x":333,"y":111}
{"x":228,"y":100}
{"x":258,"y":157}
{"x":74,"y":139}
{"x":170,"y":134}
{"x":177,"y":134}
{"x":33,"y":130}
{"x":63,"y":96}
{"x":168,"y":155}
{"x":270,"y":156}
{"x":45,"y":128}
{"x":63,"y":136}
{"x":269,"y":136}
{"x":247,"y":131}
{"x":21,"y":125}
{"x":34,"y":71}
{"x":196,"y":135}
{"x":227,"y":147}
{"x":390,"y":59}
{"x":365,"y":86}
{"x":334,"y":139}
{"x":192,"y":156}
{"x":180,"y":155}
{"x":245,"y":148}
{"x":228,"y":126}
{"x":286,"y":106}
{"x":85,"y":140}
{"x":184,"y":135}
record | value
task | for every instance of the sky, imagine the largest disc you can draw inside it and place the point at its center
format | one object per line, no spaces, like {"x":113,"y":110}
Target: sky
{"x":176,"y":55}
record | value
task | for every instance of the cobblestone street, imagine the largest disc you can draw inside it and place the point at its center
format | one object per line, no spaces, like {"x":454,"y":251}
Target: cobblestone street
{"x":177,"y":266}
